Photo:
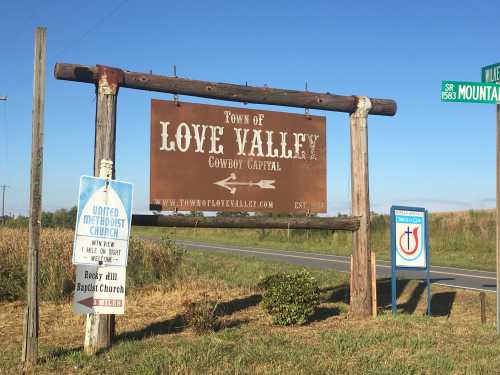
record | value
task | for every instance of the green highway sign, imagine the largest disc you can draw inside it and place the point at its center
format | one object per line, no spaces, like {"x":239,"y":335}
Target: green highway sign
{"x":490,"y":73}
{"x":470,"y":92}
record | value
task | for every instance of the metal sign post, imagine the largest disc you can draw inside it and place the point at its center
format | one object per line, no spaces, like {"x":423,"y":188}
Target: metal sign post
{"x":489,"y":74}
{"x":498,"y":216}
{"x":409,"y":246}
{"x":487,"y":91}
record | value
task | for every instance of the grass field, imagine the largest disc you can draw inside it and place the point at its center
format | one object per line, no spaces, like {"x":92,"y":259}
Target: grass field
{"x":152,"y":337}
{"x":461,"y":239}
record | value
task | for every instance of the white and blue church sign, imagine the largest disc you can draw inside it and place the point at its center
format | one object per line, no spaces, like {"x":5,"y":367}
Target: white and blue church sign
{"x":103,"y":222}
{"x":409,"y":247}
{"x":409,"y":238}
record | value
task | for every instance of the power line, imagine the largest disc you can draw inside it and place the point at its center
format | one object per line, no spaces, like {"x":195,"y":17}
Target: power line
{"x":94,"y":26}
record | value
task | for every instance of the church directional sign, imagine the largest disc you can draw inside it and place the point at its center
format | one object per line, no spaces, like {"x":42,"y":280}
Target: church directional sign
{"x":103,"y":222}
{"x":409,"y":246}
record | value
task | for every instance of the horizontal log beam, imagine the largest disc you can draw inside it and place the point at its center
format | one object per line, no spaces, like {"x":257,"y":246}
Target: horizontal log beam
{"x":226,"y":91}
{"x":253,"y":222}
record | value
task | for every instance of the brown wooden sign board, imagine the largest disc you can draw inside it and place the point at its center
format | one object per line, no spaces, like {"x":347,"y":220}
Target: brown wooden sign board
{"x":214,"y":158}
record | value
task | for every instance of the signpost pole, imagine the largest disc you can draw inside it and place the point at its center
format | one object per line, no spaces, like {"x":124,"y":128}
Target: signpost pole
{"x":99,"y":328}
{"x":393,"y":263}
{"x":31,"y":318}
{"x":361,"y":281}
{"x":498,"y":220}
{"x":428,"y":264}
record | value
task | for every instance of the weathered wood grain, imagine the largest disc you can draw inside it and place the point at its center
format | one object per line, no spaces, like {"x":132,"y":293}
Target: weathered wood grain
{"x":361,"y":284}
{"x":99,"y":329}
{"x":226,"y":91}
{"x":31,"y":318}
{"x":331,"y":223}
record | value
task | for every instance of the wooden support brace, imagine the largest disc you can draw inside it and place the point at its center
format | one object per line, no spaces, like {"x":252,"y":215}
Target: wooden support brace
{"x":329,"y":223}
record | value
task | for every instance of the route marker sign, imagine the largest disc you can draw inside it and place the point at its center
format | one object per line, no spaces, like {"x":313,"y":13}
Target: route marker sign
{"x":99,"y":290}
{"x":470,"y":92}
{"x":490,"y":73}
{"x":103,"y":222}
{"x":213,"y":158}
{"x":409,"y":245}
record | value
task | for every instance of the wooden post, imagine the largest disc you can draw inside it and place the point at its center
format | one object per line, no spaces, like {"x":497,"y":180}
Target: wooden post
{"x":350,"y":283}
{"x":361,"y":287}
{"x":99,"y":329}
{"x":482,"y":298}
{"x":373,"y":260}
{"x":498,"y":219}
{"x":256,"y":222}
{"x":31,"y":325}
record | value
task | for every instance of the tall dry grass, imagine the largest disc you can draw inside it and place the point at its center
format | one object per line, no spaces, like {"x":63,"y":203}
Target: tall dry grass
{"x":148,"y":263}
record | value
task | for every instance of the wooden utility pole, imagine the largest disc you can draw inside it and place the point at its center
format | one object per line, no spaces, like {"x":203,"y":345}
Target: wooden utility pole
{"x":361,"y":281}
{"x":3,"y":98}
{"x":99,"y":330}
{"x":30,"y":336}
{"x":3,"y":202}
{"x":498,"y":218}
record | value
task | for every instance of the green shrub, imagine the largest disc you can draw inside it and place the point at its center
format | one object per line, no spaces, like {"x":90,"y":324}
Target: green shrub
{"x":153,"y":262}
{"x":291,"y":298}
{"x":202,"y":315}
{"x":12,"y":282}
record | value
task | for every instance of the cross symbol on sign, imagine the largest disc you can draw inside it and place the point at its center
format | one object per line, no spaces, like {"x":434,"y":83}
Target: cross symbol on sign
{"x":408,"y":232}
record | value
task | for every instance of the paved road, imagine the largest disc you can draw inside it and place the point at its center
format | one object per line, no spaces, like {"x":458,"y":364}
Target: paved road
{"x":448,"y":276}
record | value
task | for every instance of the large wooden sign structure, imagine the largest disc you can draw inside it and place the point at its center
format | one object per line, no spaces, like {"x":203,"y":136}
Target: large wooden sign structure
{"x":108,"y":80}
{"x":213,"y":158}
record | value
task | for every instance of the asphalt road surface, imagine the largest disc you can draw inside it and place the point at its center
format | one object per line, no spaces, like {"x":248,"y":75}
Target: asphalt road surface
{"x":447,"y":276}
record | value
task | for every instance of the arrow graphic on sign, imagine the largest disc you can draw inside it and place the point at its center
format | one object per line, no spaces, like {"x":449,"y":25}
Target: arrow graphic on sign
{"x":91,"y":302}
{"x":230,"y":183}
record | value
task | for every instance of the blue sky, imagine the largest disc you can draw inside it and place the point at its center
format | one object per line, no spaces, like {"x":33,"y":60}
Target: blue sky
{"x":432,"y":154}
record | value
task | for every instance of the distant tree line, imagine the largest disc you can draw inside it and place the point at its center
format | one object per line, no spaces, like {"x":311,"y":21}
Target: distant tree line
{"x":66,"y":218}
{"x":61,"y":218}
